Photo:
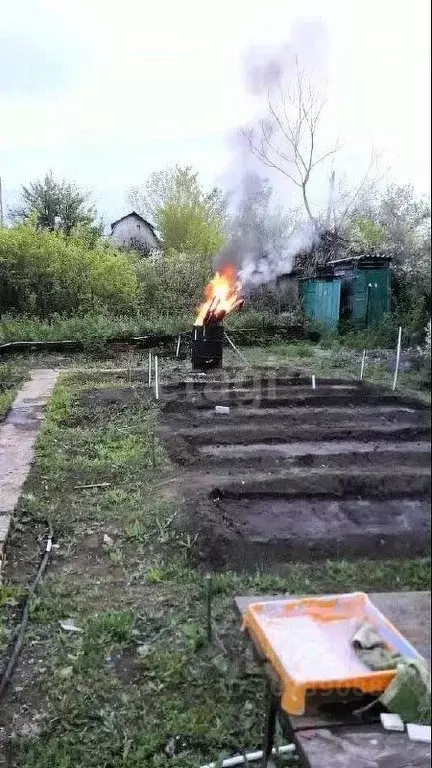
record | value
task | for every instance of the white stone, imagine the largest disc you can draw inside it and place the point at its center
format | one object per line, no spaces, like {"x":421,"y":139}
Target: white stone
{"x":391,"y":722}
{"x":69,"y":626}
{"x":222,"y":409}
{"x":419,"y":733}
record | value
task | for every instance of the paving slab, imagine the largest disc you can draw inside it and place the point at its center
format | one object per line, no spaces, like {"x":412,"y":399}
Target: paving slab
{"x":18,"y":435}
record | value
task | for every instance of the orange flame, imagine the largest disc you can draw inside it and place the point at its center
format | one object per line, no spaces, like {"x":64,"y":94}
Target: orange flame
{"x":222,"y":294}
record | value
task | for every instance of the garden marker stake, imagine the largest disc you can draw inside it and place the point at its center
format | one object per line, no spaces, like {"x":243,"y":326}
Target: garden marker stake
{"x":156,"y":370}
{"x":209,"y":595}
{"x":399,"y":343}
{"x":362,"y":365}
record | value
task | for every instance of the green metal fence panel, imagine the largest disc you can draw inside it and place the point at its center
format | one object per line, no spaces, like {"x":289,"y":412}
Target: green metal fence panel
{"x":322,"y":301}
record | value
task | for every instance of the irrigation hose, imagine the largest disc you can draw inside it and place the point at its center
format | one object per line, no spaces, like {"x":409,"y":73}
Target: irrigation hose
{"x":7,"y":675}
{"x":251,"y":757}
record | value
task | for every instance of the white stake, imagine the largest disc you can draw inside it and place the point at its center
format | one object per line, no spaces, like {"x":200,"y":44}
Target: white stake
{"x":178,"y":345}
{"x":150,"y":369}
{"x":156,"y":370}
{"x":363,"y":365}
{"x":251,"y":757}
{"x":399,"y":343}
{"x":313,"y":381}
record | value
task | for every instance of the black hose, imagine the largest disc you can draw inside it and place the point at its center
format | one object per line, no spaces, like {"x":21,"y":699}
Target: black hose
{"x":143,"y":342}
{"x":71,"y":345}
{"x":7,"y":675}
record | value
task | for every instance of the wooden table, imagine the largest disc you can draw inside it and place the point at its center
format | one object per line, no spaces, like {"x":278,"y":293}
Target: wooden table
{"x":325,"y":741}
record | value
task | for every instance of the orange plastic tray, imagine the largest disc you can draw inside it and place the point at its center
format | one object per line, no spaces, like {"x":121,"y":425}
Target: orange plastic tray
{"x":308,"y":643}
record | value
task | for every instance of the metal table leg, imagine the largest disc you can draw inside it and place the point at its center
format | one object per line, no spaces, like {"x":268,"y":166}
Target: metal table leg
{"x":272,"y":708}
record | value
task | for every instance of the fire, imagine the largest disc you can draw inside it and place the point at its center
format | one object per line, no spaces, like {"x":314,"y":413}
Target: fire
{"x":222,"y":295}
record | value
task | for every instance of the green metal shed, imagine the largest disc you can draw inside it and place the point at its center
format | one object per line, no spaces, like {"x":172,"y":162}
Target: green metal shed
{"x":322,"y":301}
{"x":365,"y":288}
{"x":356,"y":289}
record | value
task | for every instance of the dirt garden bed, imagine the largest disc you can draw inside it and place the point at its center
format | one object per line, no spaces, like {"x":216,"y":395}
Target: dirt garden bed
{"x":293,"y":473}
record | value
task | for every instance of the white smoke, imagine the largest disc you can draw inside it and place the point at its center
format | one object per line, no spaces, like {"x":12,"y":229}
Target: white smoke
{"x":264,"y":238}
{"x":265,"y":266}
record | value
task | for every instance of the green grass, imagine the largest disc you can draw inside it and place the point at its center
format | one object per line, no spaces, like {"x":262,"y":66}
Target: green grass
{"x":93,"y":329}
{"x":12,"y":376}
{"x":340,"y":362}
{"x":142,"y":669}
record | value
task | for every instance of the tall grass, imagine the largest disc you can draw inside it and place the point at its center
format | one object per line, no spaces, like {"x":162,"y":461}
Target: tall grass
{"x":98,"y":326}
{"x":88,"y":327}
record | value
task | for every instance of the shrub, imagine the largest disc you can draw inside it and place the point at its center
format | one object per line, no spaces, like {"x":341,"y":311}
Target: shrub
{"x":412,"y":300}
{"x":173,"y":284}
{"x":43,"y":273}
{"x":384,"y":335}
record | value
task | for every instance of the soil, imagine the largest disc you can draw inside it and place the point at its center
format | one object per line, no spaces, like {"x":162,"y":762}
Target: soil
{"x":108,"y":396}
{"x":299,"y":396}
{"x":292,"y":473}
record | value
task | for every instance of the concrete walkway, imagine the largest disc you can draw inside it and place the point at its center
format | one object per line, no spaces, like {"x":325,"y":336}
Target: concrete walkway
{"x":17,"y":441}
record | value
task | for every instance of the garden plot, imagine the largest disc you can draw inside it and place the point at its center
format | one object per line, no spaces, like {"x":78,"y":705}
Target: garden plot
{"x":295,"y":473}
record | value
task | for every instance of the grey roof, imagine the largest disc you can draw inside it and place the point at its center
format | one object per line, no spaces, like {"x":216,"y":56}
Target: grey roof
{"x":378,"y":257}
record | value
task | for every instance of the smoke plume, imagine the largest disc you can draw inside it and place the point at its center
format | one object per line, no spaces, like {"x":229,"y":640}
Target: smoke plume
{"x":258,"y":264}
{"x":266,"y":266}
{"x":265,"y":238}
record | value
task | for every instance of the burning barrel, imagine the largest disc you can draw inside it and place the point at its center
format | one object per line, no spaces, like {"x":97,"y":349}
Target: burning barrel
{"x":222,"y":295}
{"x":207,"y":346}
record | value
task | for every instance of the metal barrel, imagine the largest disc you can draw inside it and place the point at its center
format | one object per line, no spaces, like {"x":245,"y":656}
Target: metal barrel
{"x":207,"y":346}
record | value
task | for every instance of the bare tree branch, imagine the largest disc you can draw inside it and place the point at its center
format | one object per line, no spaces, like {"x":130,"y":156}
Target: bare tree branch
{"x":262,"y":155}
{"x":352,"y":195}
{"x":287,"y":140}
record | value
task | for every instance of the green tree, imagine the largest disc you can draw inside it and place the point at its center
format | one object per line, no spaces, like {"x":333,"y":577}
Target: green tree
{"x":406,"y":220}
{"x":189,"y":219}
{"x":365,"y":232}
{"x":56,"y":206}
{"x":397,"y":219}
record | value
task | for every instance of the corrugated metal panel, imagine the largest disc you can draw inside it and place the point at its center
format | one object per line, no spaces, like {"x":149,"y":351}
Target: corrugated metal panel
{"x":371,"y":296}
{"x":322,"y":301}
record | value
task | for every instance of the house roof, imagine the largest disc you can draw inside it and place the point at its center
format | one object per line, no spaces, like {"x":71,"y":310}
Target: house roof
{"x":377,"y":258}
{"x":137,"y":215}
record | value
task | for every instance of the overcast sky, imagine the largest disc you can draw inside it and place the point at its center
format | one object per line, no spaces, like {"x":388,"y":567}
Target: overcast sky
{"x":104,"y":93}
